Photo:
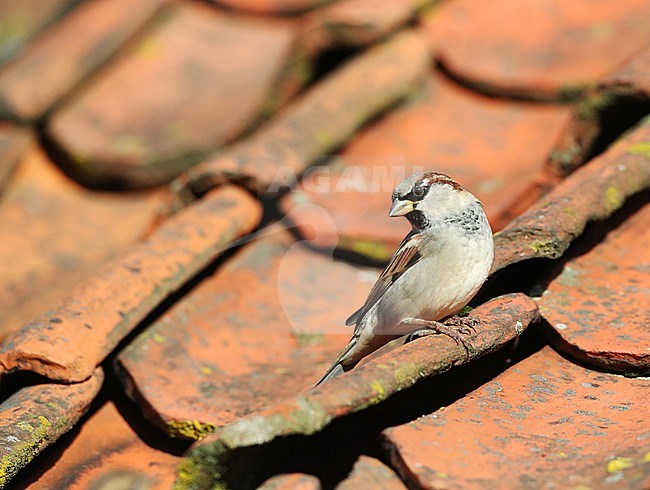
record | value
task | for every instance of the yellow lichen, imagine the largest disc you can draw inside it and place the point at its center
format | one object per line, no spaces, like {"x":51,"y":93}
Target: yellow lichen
{"x":305,"y":339}
{"x":378,"y":389}
{"x":23,"y":452}
{"x":618,"y":464}
{"x":544,"y":247}
{"x":189,"y":429}
{"x":640,"y":148}
{"x":406,"y":374}
{"x":149,"y":49}
{"x":613,"y":199}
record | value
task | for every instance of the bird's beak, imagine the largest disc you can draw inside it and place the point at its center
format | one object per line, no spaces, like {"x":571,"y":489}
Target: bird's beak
{"x":400,"y":208}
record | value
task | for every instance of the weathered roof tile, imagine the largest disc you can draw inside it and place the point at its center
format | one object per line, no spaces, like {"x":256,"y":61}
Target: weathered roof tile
{"x":60,"y":234}
{"x":544,"y":423}
{"x":67,"y":342}
{"x":36,"y":416}
{"x":14,"y":142}
{"x":371,"y":473}
{"x":295,"y":481}
{"x":68,"y":53}
{"x":598,"y":304}
{"x":107,"y":454}
{"x":537,"y":48}
{"x":632,"y":76}
{"x":281,"y":7}
{"x":496,"y":148}
{"x":355,"y":23}
{"x":264,"y":327}
{"x":191,"y":85}
{"x":592,"y":192}
{"x":320,"y":120}
{"x":21,"y":20}
{"x":220,"y":457}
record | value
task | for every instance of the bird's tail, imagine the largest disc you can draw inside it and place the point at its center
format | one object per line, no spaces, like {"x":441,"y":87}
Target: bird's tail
{"x":337,"y":368}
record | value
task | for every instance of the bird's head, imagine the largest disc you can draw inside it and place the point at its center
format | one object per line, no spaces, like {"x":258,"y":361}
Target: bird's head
{"x":427,"y":196}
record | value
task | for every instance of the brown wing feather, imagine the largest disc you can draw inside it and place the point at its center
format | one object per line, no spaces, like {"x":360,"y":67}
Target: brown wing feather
{"x":405,"y":257}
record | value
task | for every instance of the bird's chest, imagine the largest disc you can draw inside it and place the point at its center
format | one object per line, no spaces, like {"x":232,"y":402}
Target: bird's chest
{"x":447,"y":277}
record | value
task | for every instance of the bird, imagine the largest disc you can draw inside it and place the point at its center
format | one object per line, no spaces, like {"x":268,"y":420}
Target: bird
{"x":436,"y":270}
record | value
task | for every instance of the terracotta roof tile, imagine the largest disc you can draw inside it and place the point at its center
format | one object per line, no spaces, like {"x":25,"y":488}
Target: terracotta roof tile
{"x":14,"y":141}
{"x":619,"y":99}
{"x":281,"y":310}
{"x":544,"y":423}
{"x":321,"y":120}
{"x":107,"y":454}
{"x":295,"y":481}
{"x":496,"y":148}
{"x":67,"y":342}
{"x":71,"y":231}
{"x":282,"y":7}
{"x":205,"y":328}
{"x":633,"y":76}
{"x":22,"y":20}
{"x":354,"y":23}
{"x":371,"y":473}
{"x":210,"y":72}
{"x":551,"y":50}
{"x":592,"y":192}
{"x":220,"y":456}
{"x":596,"y":304}
{"x":36,"y":416}
{"x":68,"y":53}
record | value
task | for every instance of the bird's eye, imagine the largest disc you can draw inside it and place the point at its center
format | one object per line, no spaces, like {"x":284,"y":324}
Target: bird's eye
{"x":418,"y":191}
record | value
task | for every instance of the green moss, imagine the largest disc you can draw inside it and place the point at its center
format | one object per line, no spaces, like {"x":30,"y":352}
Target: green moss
{"x":569,"y":93}
{"x":374,"y":249}
{"x":640,"y":148}
{"x":202,"y":469}
{"x":25,"y":451}
{"x":189,"y":429}
{"x":590,"y":108}
{"x":465,"y":310}
{"x":566,"y":157}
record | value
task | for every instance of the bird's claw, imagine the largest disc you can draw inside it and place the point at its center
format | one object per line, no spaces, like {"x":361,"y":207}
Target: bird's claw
{"x":456,"y":330}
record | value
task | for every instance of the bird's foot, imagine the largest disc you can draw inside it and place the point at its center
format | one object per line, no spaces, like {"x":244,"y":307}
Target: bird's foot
{"x":432,"y":327}
{"x":465,"y":325}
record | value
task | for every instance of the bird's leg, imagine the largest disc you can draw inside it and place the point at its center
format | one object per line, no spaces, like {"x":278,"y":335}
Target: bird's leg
{"x":433,"y":327}
{"x":466,"y":325}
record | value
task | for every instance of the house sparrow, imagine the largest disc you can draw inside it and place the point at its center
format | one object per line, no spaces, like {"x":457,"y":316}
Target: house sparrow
{"x":436,"y":270}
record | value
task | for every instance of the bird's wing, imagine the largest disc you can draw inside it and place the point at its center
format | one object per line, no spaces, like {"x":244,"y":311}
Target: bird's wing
{"x":404,"y":258}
